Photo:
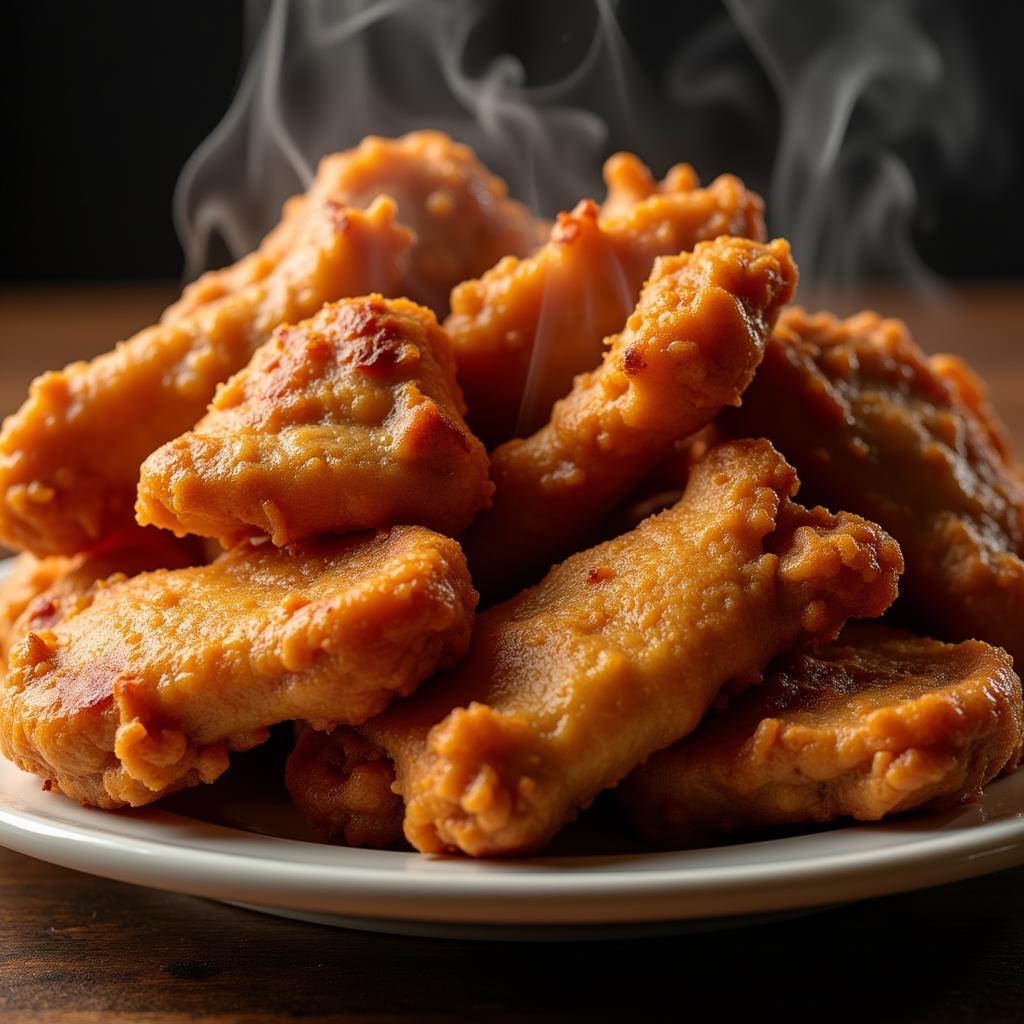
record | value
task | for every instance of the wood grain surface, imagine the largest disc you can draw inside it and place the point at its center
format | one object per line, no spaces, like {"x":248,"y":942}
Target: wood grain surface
{"x":74,"y":948}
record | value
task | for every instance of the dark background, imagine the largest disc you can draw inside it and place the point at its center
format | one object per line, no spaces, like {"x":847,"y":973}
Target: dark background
{"x":104,"y":102}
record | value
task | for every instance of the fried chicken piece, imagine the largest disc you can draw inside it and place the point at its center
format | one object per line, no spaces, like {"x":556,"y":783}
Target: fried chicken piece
{"x":689,"y":349}
{"x":348,"y":421}
{"x":876,"y":723}
{"x":526,"y":328}
{"x":37,"y":593}
{"x":461,"y":214}
{"x":874,"y":426}
{"x":146,"y":687}
{"x":629,"y":181}
{"x":618,"y":652}
{"x":341,"y":785}
{"x":70,"y":457}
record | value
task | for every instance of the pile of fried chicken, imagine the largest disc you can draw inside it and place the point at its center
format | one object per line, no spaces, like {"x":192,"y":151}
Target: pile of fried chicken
{"x":502,"y":514}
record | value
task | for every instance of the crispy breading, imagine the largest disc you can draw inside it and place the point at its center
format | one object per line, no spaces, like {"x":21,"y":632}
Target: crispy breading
{"x":629,"y":181}
{"x":341,"y":785}
{"x":146,"y":687}
{"x":70,"y":457}
{"x":461,"y":214}
{"x":350,"y":420}
{"x":37,"y":593}
{"x":689,"y":349}
{"x":873,"y":425}
{"x":876,"y":723}
{"x":526,"y":328}
{"x":618,"y":652}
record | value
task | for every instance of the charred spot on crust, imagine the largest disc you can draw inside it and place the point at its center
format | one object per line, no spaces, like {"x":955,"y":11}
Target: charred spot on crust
{"x":42,"y":612}
{"x":632,"y":361}
{"x":378,"y":341}
{"x":90,"y":689}
{"x":599,"y":574}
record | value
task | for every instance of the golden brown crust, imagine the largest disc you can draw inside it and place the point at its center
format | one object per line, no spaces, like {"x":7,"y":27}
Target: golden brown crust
{"x":70,"y":457}
{"x":350,"y":420}
{"x":526,"y":328}
{"x":38,"y":593}
{"x":621,"y":649}
{"x":629,"y":181}
{"x":873,"y":724}
{"x":874,"y":426}
{"x":689,"y":349}
{"x":146,"y":686}
{"x":341,"y":785}
{"x":460,"y":213}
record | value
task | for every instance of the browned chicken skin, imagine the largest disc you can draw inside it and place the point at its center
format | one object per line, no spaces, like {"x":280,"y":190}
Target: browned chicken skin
{"x":689,"y":349}
{"x":877,"y":722}
{"x":70,"y":457}
{"x":341,"y":784}
{"x":37,"y":593}
{"x":145,"y":687}
{"x":874,"y":426}
{"x":616,"y":653}
{"x":528,"y":326}
{"x":460,"y":213}
{"x":350,"y":420}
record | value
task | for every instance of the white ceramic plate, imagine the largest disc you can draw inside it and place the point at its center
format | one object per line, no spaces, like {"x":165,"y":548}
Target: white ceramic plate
{"x":554,"y":897}
{"x":240,"y":842}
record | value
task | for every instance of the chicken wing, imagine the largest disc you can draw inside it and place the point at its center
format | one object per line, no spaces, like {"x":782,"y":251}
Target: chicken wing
{"x":348,"y":421}
{"x":875,"y":723}
{"x":461,"y":214}
{"x":618,"y":652}
{"x":70,"y":457}
{"x":147,"y":686}
{"x":874,"y":426}
{"x":526,"y":328}
{"x":37,"y":593}
{"x":689,"y":349}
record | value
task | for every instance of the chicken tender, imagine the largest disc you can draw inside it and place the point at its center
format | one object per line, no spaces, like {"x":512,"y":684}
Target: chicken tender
{"x":526,"y":328}
{"x":70,"y":457}
{"x":618,"y":652}
{"x":348,"y":421}
{"x":689,"y":349}
{"x":875,"y":723}
{"x":37,"y":593}
{"x":146,"y":687}
{"x":461,"y":214}
{"x":875,"y":426}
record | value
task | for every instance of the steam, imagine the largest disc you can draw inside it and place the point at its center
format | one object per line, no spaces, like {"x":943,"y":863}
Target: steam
{"x":840,"y":112}
{"x":857,"y":83}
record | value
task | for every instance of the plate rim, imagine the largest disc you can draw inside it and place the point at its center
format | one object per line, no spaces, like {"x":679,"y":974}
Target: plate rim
{"x":541,"y":891}
{"x":553,"y":891}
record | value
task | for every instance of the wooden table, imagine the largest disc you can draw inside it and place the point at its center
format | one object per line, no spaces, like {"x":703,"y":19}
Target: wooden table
{"x":77,"y":948}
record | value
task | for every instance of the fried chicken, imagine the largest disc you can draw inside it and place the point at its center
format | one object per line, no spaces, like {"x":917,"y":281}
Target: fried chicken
{"x":873,"y":425}
{"x":70,"y":457}
{"x":526,"y":328}
{"x":462,"y":217}
{"x":37,"y":593}
{"x":146,"y":686}
{"x":341,"y":784}
{"x":878,"y":722}
{"x":348,"y":421}
{"x":689,"y":349}
{"x":618,"y":652}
